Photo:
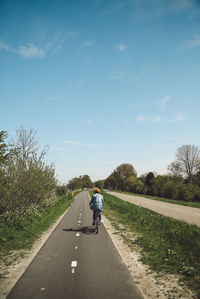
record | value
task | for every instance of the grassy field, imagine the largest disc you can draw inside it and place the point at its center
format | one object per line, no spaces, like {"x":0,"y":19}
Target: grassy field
{"x":21,"y":232}
{"x":177,"y":202}
{"x":166,"y":244}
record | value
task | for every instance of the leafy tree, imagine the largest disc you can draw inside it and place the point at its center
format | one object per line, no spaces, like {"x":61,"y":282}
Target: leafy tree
{"x":86,"y":181}
{"x":28,"y":178}
{"x":74,"y":183}
{"x":187,"y":161}
{"x":126,"y":171}
{"x":149,"y":180}
{"x":99,"y":184}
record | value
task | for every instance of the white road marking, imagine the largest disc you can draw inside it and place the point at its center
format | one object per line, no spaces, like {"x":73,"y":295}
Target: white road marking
{"x":76,"y":247}
{"x":42,"y":289}
{"x":78,"y":234}
{"x":73,"y":270}
{"x":74,"y":264}
{"x":80,"y":214}
{"x":79,"y":221}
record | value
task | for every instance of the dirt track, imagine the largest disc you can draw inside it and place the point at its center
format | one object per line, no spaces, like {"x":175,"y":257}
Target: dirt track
{"x":186,"y":214}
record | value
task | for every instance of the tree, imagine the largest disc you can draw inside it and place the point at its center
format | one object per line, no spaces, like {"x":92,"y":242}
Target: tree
{"x":149,"y":180}
{"x":4,"y":152}
{"x":99,"y":184}
{"x":187,"y":161}
{"x":86,"y":181}
{"x":126,"y":171}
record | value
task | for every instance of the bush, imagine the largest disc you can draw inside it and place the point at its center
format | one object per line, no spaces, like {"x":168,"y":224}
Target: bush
{"x":169,"y":190}
{"x":61,"y":190}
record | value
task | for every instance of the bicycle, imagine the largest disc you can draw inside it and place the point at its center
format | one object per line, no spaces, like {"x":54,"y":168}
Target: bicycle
{"x":96,"y":220}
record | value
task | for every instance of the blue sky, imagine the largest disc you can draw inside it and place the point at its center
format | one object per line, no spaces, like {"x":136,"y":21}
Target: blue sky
{"x":102,"y":82}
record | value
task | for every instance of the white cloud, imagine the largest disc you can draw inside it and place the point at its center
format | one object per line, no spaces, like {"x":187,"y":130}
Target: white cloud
{"x":81,"y":143}
{"x":140,"y":118}
{"x":30,"y":51}
{"x":163,"y":102}
{"x":178,"y":118}
{"x":193,"y":43}
{"x":121,"y":47}
{"x":157,"y":119}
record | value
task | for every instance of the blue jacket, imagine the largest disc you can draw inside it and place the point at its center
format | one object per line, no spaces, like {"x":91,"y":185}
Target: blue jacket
{"x":96,"y":202}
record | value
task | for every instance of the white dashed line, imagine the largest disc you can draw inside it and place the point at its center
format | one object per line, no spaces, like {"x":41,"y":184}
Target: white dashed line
{"x":78,"y":234}
{"x":79,"y":221}
{"x":74,"y":264}
{"x":76,"y":247}
{"x":73,"y":270}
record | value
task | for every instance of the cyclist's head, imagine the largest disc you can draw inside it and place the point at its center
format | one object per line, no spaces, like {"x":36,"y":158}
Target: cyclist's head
{"x":96,"y":190}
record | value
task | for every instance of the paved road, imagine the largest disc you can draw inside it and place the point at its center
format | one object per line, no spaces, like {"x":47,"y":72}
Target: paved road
{"x":187,"y":214}
{"x":76,"y":263}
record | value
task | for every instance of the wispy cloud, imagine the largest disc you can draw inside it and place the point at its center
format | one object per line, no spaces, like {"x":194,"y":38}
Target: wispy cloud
{"x":60,"y":149}
{"x":147,"y":118}
{"x":192,"y":43}
{"x":88,"y":43}
{"x":4,"y":46}
{"x":140,"y":118}
{"x":28,"y":51}
{"x":178,"y":118}
{"x":116,"y":75}
{"x":143,"y":72}
{"x":163,"y":102}
{"x":121,"y":47}
{"x":89,"y":122}
{"x":81,"y":143}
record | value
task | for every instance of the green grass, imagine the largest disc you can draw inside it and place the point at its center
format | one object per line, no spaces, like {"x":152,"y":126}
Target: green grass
{"x":166,"y":244}
{"x":177,"y":202}
{"x":21,"y":233}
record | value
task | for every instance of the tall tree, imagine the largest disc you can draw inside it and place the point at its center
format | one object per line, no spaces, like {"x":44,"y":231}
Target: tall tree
{"x":187,"y":161}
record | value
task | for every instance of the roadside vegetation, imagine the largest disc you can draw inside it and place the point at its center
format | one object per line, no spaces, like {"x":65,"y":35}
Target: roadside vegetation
{"x":30,"y":200}
{"x":18,"y":230}
{"x":166,"y":244}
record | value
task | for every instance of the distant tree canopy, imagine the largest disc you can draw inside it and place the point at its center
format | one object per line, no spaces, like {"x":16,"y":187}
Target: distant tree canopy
{"x":187,"y":162}
{"x":122,"y":178}
{"x":80,"y":182}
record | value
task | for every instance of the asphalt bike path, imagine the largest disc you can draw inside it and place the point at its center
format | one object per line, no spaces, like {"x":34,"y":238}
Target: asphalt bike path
{"x":77,"y":263}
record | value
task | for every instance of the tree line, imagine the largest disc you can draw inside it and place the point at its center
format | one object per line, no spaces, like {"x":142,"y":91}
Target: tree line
{"x":181,"y":183}
{"x":25,"y":177}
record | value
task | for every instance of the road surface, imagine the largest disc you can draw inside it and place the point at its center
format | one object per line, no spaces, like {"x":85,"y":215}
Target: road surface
{"x":76,"y":263}
{"x":184,"y":213}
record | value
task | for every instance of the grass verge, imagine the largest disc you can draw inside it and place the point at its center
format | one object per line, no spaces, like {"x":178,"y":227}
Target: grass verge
{"x":166,"y":244}
{"x":177,"y":202}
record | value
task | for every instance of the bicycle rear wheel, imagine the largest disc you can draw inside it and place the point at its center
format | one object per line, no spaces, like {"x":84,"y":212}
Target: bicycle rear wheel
{"x":97,"y":220}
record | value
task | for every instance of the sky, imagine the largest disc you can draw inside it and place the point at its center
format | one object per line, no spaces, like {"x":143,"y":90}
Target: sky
{"x":102,"y":82}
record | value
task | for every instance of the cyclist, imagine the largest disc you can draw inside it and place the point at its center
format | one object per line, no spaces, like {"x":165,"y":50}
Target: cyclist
{"x":96,"y":203}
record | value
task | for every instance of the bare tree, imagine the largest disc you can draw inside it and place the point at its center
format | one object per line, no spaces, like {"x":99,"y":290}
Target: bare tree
{"x":187,"y":161}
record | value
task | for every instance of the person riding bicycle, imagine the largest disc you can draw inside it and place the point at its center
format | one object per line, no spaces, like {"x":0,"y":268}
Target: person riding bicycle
{"x":96,"y":203}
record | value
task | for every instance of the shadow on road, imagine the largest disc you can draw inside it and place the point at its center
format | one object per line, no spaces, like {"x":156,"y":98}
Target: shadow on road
{"x":85,"y":230}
